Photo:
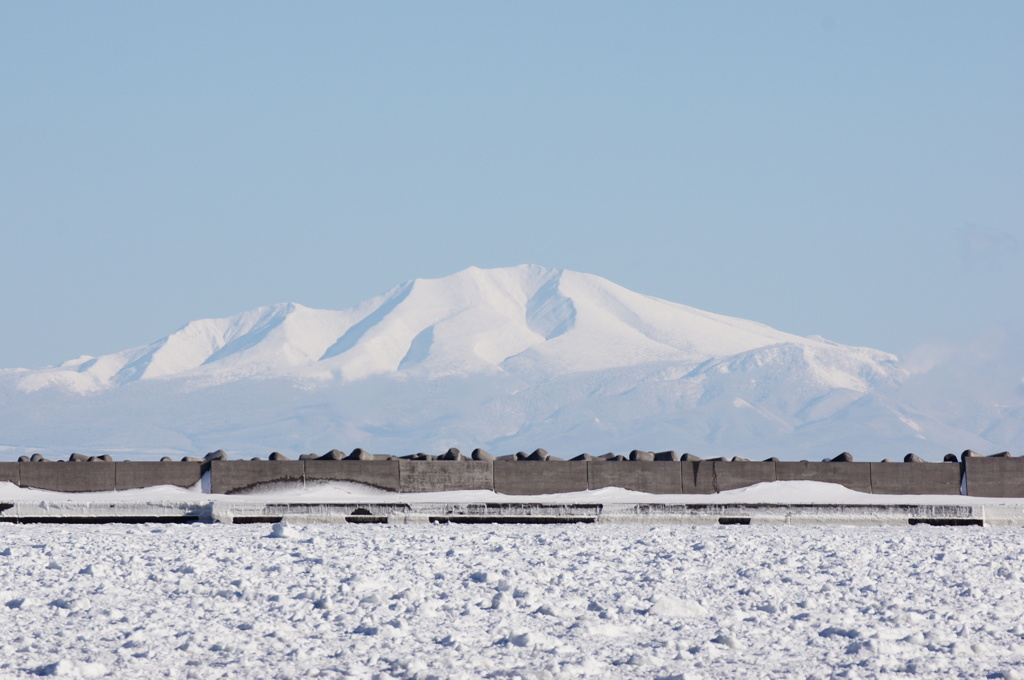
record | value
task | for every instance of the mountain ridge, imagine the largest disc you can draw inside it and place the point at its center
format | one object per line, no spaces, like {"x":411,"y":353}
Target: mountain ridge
{"x":474,"y":320}
{"x":514,"y":357}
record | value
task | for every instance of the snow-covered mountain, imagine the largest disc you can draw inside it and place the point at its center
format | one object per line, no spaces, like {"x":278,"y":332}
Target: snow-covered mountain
{"x":508,"y":359}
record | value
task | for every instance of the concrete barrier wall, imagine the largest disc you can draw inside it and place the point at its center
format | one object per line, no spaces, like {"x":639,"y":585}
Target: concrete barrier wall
{"x":531,"y":477}
{"x":71,"y":477}
{"x":419,"y":476}
{"x":232,"y":476}
{"x":382,"y":474}
{"x":698,"y":476}
{"x":139,"y":475}
{"x":915,"y":478}
{"x":740,"y":474}
{"x":10,"y":472}
{"x":995,"y":477}
{"x":651,"y":477}
{"x":856,"y":476}
{"x":998,"y":477}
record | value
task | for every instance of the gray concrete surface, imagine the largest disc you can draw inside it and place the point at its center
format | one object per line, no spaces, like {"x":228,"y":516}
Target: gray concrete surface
{"x":698,"y":476}
{"x":535,"y":477}
{"x":856,"y":476}
{"x":68,"y":477}
{"x":232,"y":476}
{"x":650,"y":477}
{"x":998,"y":477}
{"x":915,"y":478}
{"x":10,"y":472}
{"x":995,"y":477}
{"x":738,"y":474}
{"x":139,"y":475}
{"x":382,"y":474}
{"x":419,"y":476}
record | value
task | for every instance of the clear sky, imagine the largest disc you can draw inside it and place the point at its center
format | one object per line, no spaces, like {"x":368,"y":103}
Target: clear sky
{"x":853,"y":170}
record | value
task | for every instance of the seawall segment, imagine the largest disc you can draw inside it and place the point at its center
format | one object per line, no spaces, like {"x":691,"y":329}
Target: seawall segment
{"x":999,"y":476}
{"x":856,"y":476}
{"x":525,"y":477}
{"x":994,"y":477}
{"x":652,"y":477}
{"x":915,"y":478}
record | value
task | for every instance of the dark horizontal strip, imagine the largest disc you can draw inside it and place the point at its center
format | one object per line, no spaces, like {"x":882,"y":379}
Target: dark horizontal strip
{"x":946,"y":522}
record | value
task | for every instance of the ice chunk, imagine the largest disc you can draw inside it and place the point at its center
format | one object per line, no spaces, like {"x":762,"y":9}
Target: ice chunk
{"x":283,"y":530}
{"x":674,"y":608}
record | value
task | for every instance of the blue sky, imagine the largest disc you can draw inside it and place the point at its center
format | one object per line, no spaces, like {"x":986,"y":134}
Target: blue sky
{"x":849,"y":170}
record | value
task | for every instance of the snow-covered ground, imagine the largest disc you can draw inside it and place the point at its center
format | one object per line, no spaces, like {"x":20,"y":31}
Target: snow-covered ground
{"x":456,"y":601}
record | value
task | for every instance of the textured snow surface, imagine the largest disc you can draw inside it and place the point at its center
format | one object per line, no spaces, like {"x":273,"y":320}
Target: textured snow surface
{"x":351,"y":601}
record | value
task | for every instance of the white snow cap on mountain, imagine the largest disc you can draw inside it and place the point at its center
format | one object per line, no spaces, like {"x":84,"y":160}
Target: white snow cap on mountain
{"x":521,"y":320}
{"x":506,"y":359}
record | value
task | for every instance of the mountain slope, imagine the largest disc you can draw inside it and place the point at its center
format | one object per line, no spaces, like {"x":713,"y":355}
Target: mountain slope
{"x":516,"y":320}
{"x":510,"y":358}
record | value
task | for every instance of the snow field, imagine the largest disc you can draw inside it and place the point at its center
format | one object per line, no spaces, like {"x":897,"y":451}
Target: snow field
{"x":382,"y":601}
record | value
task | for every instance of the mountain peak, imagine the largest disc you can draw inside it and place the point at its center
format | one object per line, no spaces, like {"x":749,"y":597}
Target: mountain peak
{"x":526,"y":320}
{"x":507,"y":358}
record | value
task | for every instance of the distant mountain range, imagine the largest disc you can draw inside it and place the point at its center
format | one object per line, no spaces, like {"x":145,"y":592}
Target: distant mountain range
{"x":507,"y":359}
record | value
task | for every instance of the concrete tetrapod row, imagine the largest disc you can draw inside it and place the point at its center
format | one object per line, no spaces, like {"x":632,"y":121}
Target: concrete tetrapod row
{"x":999,"y":476}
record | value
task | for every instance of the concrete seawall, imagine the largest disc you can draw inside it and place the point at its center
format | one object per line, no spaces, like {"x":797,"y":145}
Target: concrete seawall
{"x":999,"y":476}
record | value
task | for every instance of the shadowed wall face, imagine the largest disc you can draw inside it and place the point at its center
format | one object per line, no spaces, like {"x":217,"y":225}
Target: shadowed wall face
{"x":382,"y":474}
{"x":856,"y":476}
{"x":651,"y":477}
{"x":995,"y":477}
{"x":915,"y":478}
{"x":232,"y":476}
{"x":139,"y":475}
{"x":70,"y":477}
{"x":426,"y":476}
{"x":529,"y":477}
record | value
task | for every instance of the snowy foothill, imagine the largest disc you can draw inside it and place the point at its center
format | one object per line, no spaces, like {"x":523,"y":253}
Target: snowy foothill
{"x":448,"y":601}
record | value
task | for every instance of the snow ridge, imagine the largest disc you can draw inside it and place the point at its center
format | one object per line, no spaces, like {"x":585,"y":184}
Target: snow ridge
{"x":508,"y":359}
{"x":512,"y":320}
